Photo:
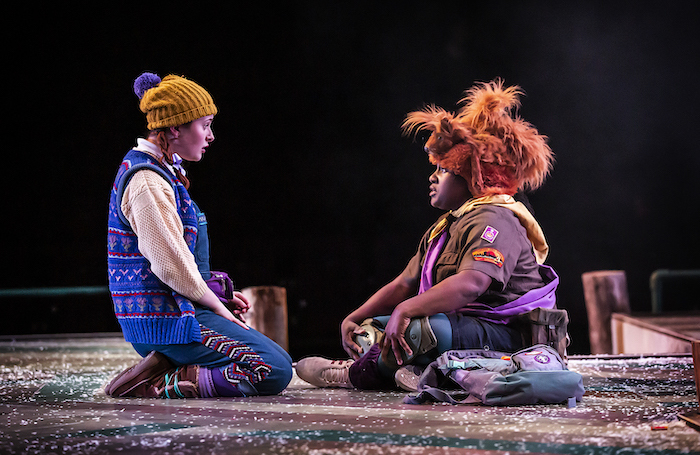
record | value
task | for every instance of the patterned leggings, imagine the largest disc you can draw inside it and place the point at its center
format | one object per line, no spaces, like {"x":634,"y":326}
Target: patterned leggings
{"x":246,"y":358}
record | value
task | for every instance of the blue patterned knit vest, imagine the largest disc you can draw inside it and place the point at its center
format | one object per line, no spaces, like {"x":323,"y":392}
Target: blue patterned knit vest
{"x":147,"y":310}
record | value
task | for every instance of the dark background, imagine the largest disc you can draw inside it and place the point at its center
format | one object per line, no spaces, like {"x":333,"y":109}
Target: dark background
{"x":310,"y":184}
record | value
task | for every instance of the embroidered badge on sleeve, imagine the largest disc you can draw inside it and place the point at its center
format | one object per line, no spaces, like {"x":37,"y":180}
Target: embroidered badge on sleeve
{"x":489,"y":234}
{"x":491,"y":255}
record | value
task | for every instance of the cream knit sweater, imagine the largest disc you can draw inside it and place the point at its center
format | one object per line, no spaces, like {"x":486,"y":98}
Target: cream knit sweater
{"x":149,"y":205}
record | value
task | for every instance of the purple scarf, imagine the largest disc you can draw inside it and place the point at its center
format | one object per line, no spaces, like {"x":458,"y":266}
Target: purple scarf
{"x":544,"y":297}
{"x":426,"y":276}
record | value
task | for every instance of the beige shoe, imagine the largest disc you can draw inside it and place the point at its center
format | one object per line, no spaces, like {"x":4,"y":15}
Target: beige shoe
{"x":323,"y":372}
{"x":408,"y":376}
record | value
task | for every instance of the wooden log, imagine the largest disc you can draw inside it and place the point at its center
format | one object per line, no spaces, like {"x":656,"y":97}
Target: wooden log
{"x":692,"y":417}
{"x":605,"y":293}
{"x":268,"y":312}
{"x":696,"y":366}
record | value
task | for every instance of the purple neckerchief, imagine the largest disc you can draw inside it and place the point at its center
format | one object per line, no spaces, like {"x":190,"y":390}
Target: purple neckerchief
{"x":426,"y":277}
{"x":543,"y":297}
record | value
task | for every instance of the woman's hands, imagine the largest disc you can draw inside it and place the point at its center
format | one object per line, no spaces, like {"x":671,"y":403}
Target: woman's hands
{"x":381,"y":302}
{"x":238,"y":302}
{"x":238,"y":305}
{"x":399,"y":298}
{"x":348,"y":330}
{"x":393,"y":340}
{"x":394,"y":336}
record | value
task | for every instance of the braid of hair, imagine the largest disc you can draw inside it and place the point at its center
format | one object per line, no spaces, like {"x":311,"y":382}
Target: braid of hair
{"x":167,"y":157}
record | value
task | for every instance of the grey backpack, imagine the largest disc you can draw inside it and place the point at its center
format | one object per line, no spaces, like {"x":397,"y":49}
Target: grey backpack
{"x":546,"y":326}
{"x":530,"y":376}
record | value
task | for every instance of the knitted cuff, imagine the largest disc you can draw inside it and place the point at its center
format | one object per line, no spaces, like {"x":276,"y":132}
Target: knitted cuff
{"x":206,"y":383}
{"x":364,"y":373}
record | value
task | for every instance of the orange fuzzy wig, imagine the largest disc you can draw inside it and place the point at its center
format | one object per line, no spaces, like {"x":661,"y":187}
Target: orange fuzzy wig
{"x":493,"y":149}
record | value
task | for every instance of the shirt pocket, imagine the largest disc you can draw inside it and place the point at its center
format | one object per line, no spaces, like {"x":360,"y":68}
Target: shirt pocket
{"x":446,"y":266}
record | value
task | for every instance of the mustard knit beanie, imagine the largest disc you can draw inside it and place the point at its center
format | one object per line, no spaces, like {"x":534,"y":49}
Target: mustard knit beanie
{"x":172,"y":101}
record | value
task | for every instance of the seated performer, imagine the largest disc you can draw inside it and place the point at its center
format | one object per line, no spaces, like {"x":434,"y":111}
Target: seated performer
{"x":158,"y":262}
{"x":476,"y":269}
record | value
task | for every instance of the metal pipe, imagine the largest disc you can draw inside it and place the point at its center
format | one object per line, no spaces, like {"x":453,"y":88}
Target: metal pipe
{"x":656,"y":281}
{"x":54,"y":292}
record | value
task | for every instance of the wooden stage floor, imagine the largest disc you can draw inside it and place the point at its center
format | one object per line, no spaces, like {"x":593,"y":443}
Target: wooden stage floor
{"x":51,"y":401}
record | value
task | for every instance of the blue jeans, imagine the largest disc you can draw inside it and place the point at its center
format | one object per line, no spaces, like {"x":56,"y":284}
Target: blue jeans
{"x":473,"y":333}
{"x":196,"y":353}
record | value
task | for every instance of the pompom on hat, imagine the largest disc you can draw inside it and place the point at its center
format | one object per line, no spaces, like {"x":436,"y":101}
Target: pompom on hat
{"x":172,"y":101}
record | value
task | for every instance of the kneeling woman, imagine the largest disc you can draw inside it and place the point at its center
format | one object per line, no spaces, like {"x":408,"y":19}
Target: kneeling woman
{"x":158,"y":261}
